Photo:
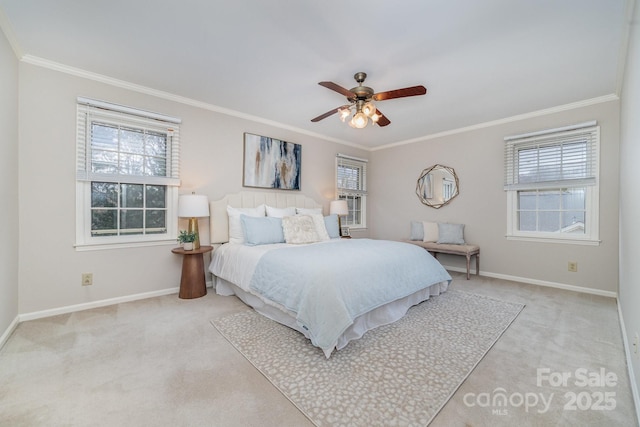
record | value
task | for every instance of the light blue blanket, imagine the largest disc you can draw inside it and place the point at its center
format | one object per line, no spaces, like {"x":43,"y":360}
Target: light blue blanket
{"x":328,"y":287}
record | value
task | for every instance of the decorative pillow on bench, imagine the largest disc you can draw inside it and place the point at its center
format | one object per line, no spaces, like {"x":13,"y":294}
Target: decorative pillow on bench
{"x":445,"y":233}
{"x":417,"y":230}
{"x":425,"y":231}
{"x":452,"y":234}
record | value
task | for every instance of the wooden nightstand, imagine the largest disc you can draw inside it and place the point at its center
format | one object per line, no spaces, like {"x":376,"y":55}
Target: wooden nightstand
{"x":192,"y":282}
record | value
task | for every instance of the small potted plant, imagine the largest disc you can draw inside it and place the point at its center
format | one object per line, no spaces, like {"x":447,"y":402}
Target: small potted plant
{"x":187,"y":238}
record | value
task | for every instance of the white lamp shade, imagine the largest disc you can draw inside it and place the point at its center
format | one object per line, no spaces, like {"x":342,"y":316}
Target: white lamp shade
{"x":193,"y":206}
{"x":339,"y":207}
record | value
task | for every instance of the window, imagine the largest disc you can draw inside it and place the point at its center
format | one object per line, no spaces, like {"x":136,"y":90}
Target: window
{"x":448,"y":188}
{"x":351,"y":185}
{"x":551,"y":179}
{"x":127,"y":175}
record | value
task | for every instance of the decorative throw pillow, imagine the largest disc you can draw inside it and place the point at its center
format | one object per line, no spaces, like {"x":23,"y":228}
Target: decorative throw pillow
{"x":331,"y":224}
{"x":261,"y":230}
{"x":308,"y":211}
{"x":299,"y":229}
{"x":236,"y":233}
{"x":417,"y":230}
{"x":280,"y":212}
{"x":452,"y":234}
{"x":431,"y":231}
{"x":321,"y":229}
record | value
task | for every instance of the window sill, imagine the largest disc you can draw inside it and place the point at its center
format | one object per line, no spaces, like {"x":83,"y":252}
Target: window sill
{"x":123,"y":245}
{"x":565,"y":241}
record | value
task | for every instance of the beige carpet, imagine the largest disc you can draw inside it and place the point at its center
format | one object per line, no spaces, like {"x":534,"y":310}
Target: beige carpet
{"x":397,"y":375}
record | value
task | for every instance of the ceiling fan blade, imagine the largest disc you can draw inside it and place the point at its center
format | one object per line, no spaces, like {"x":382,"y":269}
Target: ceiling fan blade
{"x":338,"y":88}
{"x":325,"y":115}
{"x":382,"y":121}
{"x":400,"y":93}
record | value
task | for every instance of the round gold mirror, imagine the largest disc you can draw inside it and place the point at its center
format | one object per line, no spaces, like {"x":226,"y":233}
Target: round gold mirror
{"x":437,"y":186}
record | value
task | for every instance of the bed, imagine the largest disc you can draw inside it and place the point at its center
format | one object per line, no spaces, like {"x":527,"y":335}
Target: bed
{"x":333,"y":290}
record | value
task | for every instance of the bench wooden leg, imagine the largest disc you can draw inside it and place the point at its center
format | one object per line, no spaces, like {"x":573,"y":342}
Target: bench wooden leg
{"x":435,"y":255}
{"x":468,"y":265}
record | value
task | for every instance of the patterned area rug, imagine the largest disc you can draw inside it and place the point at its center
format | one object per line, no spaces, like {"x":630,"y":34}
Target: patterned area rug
{"x":396,"y":375}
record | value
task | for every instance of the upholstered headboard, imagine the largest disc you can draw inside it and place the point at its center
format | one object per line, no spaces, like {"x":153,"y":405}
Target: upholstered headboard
{"x":219,"y":221}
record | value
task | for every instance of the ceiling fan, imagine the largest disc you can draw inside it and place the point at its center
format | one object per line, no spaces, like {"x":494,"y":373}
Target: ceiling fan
{"x":361,"y":102}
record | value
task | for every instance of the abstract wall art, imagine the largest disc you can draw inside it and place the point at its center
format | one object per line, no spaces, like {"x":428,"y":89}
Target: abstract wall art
{"x":271,"y":163}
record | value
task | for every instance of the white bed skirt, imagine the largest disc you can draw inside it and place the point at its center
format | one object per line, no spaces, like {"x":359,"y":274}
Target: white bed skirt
{"x":382,"y":315}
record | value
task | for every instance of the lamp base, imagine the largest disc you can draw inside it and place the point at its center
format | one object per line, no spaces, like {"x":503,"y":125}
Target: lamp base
{"x":193,"y":227}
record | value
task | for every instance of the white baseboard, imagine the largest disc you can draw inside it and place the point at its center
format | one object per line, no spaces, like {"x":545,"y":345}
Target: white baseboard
{"x":94,"y":304}
{"x":628,"y":355}
{"x":539,"y":282}
{"x":12,"y":327}
{"x":85,"y":306}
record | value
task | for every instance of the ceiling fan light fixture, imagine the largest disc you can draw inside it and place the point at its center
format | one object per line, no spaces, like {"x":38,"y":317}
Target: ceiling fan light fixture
{"x":361,"y":105}
{"x":359,"y":120}
{"x":344,"y":113}
{"x":369,"y":109}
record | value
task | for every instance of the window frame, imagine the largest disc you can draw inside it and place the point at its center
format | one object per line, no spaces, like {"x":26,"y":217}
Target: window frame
{"x":354,"y":193}
{"x":591,"y":185}
{"x":89,"y":111}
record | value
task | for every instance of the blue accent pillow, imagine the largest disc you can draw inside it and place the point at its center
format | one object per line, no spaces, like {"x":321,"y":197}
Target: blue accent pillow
{"x":452,"y":234}
{"x":331,"y":224}
{"x":417,"y":230}
{"x":262,"y":230}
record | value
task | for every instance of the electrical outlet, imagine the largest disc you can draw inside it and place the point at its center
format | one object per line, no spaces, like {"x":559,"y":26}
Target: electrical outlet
{"x":87,"y":279}
{"x":573,"y":266}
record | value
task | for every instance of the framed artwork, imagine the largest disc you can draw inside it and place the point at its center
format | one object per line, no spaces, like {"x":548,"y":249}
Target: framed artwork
{"x":271,"y":163}
{"x":345,"y":232}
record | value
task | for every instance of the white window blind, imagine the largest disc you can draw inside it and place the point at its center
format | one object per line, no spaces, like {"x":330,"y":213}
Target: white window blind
{"x":115,"y":141}
{"x":552,"y":159}
{"x":351,"y":185}
{"x":351,"y":175}
{"x":127,"y":176}
{"x":551,"y":179}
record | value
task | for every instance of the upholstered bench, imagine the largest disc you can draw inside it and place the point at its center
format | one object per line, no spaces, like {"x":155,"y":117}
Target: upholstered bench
{"x":441,"y":248}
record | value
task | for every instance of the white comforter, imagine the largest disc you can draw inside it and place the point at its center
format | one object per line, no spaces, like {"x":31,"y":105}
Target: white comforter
{"x":325,"y":286}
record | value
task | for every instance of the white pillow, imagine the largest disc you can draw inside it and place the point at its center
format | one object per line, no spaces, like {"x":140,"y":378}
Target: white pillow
{"x":236,"y":233}
{"x":431,"y":233}
{"x":308,"y":211}
{"x":321,"y":227}
{"x":280,"y":212}
{"x":299,"y":229}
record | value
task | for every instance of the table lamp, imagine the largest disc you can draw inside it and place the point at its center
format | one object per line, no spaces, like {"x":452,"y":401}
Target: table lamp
{"x":340,"y":208}
{"x":193,"y":206}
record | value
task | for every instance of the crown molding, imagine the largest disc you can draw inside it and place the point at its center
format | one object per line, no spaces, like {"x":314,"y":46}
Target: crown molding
{"x":78,"y":72}
{"x":45,"y":63}
{"x":533,"y":114}
{"x":7,"y":29}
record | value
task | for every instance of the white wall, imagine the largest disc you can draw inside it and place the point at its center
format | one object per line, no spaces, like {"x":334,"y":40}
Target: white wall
{"x":8,"y":185}
{"x":212,"y":165}
{"x":478,"y":157}
{"x":211,"y":161}
{"x":50,"y":268}
{"x":629,"y":201}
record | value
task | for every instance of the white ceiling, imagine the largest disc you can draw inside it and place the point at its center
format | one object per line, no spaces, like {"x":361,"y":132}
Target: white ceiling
{"x":481,"y":60}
